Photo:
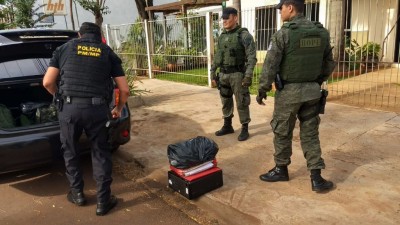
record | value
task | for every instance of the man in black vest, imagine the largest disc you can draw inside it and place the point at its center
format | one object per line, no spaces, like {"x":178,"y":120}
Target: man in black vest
{"x":79,"y":74}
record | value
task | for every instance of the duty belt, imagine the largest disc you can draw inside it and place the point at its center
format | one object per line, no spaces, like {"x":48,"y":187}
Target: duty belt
{"x":231,"y":69}
{"x":81,"y":100}
{"x":290,"y":82}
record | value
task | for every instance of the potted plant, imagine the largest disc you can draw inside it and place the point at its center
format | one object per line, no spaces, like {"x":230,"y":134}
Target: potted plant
{"x":159,"y":62}
{"x":349,"y":66}
{"x":353,"y":55}
{"x":171,"y":58}
{"x":370,"y":54}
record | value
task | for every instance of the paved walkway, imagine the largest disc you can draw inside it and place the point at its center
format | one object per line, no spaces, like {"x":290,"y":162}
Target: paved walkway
{"x":378,"y":90}
{"x":360,"y":148}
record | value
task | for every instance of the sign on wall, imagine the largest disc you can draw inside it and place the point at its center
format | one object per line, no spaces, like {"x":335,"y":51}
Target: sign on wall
{"x":55,"y":6}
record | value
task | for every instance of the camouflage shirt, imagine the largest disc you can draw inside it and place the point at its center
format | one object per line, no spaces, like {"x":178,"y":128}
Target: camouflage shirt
{"x":250,"y":51}
{"x":293,"y":92}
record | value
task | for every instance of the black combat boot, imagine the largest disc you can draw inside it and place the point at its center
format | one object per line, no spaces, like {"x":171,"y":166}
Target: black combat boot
{"x":318,"y":183}
{"x":227,"y":128}
{"x":244,"y":134}
{"x":278,"y":173}
{"x":78,"y":198}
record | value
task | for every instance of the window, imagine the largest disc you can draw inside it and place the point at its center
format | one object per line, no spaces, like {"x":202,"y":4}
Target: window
{"x":265,"y":26}
{"x":311,"y":11}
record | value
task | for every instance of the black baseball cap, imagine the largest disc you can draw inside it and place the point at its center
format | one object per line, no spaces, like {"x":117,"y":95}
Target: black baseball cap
{"x":89,"y":28}
{"x":227,"y":11}
{"x":279,"y":6}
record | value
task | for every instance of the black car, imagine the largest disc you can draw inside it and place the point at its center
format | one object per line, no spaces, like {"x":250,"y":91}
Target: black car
{"x":29,"y":128}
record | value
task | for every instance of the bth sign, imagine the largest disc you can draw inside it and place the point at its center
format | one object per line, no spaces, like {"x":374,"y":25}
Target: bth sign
{"x":55,"y":6}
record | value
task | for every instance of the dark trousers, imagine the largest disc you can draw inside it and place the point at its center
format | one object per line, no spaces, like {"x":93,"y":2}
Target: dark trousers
{"x":75,"y":118}
{"x":283,"y":124}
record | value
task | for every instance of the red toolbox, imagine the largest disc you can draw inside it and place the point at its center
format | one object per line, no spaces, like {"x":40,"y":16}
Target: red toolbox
{"x":196,"y":185}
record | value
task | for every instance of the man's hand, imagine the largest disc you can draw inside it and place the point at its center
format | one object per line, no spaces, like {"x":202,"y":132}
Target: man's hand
{"x":116,"y":112}
{"x":260,"y":96}
{"x":213,"y":83}
{"x":246,"y":82}
{"x":215,"y":80}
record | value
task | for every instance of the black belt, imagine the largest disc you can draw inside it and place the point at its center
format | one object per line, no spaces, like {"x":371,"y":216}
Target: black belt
{"x":81,"y":100}
{"x":289,"y":82}
{"x":231,"y":69}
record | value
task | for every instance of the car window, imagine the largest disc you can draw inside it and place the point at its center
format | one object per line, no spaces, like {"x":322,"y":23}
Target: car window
{"x":23,"y":68}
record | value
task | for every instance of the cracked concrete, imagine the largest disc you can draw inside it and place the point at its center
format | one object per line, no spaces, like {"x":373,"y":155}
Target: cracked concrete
{"x":360,"y":148}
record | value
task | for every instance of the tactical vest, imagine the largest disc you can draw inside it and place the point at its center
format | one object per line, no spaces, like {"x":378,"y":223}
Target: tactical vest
{"x":86,"y":71}
{"x":302,"y":60}
{"x":231,"y":52}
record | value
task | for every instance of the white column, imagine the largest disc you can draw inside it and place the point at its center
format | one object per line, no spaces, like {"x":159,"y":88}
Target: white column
{"x":146,"y":30}
{"x":210,"y":44}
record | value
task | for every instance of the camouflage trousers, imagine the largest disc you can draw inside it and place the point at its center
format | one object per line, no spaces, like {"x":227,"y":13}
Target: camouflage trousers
{"x":231,"y":84}
{"x":283,"y":123}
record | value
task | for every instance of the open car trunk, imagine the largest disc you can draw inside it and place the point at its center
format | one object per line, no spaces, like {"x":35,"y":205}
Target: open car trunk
{"x":24,"y":58}
{"x":26,"y":104}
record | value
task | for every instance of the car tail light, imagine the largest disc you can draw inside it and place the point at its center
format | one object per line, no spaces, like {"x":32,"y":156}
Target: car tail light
{"x":116,"y":94}
{"x":125,"y":133}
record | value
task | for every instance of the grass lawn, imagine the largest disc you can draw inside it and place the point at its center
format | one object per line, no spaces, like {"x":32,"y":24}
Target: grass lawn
{"x":199,"y":77}
{"x":195,"y":76}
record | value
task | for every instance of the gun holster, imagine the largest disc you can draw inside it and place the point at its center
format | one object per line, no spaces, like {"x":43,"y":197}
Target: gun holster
{"x":58,"y":101}
{"x":322,"y":101}
{"x":217,"y":81}
{"x":278,"y":82}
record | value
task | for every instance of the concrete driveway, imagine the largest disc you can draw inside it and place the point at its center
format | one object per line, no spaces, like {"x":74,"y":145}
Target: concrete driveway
{"x":360,"y":148}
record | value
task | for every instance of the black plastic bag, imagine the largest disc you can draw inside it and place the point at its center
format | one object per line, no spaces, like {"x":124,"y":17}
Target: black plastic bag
{"x":192,"y":152}
{"x":29,"y":109}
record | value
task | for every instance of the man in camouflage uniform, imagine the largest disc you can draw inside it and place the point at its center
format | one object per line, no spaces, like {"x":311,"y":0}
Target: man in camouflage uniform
{"x":301,"y":54}
{"x":235,"y":58}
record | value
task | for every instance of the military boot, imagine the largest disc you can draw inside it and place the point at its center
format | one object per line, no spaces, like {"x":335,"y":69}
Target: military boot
{"x":318,"y":183}
{"x":227,"y":128}
{"x":244,"y":134}
{"x":278,"y":173}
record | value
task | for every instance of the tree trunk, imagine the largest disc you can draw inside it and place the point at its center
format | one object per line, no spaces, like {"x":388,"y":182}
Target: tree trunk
{"x":98,"y":19}
{"x":141,"y":7}
{"x":336,"y":22}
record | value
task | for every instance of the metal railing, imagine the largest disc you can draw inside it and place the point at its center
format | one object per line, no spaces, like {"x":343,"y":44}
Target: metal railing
{"x":366,"y":47}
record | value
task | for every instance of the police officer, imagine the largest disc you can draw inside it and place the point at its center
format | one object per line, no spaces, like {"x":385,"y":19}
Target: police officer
{"x":84,"y":68}
{"x":235,"y":58}
{"x":301,"y":54}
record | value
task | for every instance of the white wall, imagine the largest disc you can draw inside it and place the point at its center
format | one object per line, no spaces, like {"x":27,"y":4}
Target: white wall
{"x":122,"y":12}
{"x":252,"y":4}
{"x":372,"y":21}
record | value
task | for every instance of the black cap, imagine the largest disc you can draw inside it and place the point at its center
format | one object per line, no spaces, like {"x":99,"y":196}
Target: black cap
{"x":89,"y":28}
{"x":227,"y":11}
{"x":279,"y":6}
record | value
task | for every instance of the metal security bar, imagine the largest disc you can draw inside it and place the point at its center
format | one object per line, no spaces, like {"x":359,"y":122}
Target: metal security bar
{"x":129,"y":41}
{"x":180,"y":49}
{"x":366,"y":37}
